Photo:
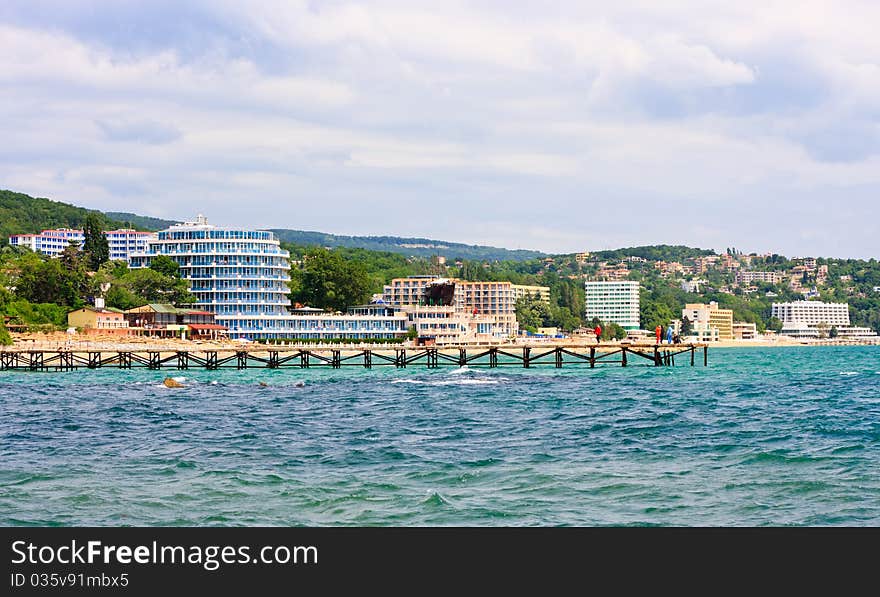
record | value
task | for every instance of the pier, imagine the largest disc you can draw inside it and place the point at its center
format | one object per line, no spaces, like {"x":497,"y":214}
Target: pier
{"x":300,"y":357}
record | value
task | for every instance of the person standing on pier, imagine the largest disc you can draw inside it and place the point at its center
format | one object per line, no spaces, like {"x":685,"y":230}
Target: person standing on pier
{"x":659,"y":333}
{"x":598,"y":331}
{"x":669,"y":335}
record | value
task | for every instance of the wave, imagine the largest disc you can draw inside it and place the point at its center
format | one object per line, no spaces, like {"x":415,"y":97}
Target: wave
{"x":849,"y":373}
{"x":460,"y":370}
{"x":449,"y":382}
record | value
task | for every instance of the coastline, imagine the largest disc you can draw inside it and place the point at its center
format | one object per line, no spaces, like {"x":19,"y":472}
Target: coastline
{"x":63,"y":341}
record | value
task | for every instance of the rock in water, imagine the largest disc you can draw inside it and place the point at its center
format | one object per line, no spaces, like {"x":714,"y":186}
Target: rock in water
{"x":263,"y":384}
{"x":170,"y":382}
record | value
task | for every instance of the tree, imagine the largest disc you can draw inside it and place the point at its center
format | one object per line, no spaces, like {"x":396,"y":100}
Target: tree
{"x":612,"y":331}
{"x":775,"y":324}
{"x":5,"y":338}
{"x":532,"y":313}
{"x":165,"y":265}
{"x":328,"y":281}
{"x":654,"y":314}
{"x":834,"y":332}
{"x":412,"y":333}
{"x":96,"y":247}
{"x":152,"y":287}
{"x":687,"y":327}
{"x":48,"y":281}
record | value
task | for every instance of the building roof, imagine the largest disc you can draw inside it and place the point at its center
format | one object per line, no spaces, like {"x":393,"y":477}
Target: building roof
{"x":158,"y":308}
{"x":103,"y":310}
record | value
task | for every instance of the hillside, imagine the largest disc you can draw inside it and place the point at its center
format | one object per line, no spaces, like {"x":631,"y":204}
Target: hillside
{"x":23,"y":214}
{"x":142,"y":222}
{"x":655,"y":253}
{"x":418,"y":247}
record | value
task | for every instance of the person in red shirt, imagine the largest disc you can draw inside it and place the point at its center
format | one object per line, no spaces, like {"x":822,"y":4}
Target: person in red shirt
{"x":598,"y":331}
{"x":659,"y":332}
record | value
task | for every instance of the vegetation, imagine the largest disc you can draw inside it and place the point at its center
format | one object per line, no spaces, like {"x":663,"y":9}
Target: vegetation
{"x":38,"y":292}
{"x":95,"y":244}
{"x":532,"y":313}
{"x":328,"y":281}
{"x":5,"y":338}
{"x":655,"y":253}
{"x":415,"y":247}
{"x":139,"y":222}
{"x":165,"y":265}
{"x":131,"y":288}
{"x":23,"y":214}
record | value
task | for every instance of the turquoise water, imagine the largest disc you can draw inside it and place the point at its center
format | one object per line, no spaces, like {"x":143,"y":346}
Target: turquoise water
{"x":761,"y":437}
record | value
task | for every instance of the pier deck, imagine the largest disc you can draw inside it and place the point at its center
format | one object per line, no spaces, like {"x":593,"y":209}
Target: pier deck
{"x":303,"y":357}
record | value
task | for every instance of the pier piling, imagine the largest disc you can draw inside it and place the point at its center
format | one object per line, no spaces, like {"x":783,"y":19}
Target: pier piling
{"x":305,"y":357}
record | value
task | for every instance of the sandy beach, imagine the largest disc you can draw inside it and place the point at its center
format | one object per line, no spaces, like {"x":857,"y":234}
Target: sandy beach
{"x":78,"y":342}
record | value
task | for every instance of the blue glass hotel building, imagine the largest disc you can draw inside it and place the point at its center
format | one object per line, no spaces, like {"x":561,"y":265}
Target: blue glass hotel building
{"x":239,"y":275}
{"x":242,"y":277}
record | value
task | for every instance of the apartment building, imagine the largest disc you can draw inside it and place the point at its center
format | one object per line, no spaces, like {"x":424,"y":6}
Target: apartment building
{"x":613,"y":302}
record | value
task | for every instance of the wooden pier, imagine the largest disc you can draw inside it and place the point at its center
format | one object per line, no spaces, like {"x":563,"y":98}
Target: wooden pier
{"x":287,"y":357}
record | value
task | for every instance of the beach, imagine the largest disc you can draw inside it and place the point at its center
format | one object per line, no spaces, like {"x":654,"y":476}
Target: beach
{"x":83,"y":342}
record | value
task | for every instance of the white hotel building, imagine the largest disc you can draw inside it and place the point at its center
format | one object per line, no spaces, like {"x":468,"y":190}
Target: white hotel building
{"x":241,"y":276}
{"x":613,"y":302}
{"x":811,"y":319}
{"x":53,"y":242}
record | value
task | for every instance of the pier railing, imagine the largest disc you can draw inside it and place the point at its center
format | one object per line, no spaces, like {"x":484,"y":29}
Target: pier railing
{"x":401,"y":357}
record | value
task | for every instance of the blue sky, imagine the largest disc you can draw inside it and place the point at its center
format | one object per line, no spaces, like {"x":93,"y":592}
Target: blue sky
{"x":581,"y":126}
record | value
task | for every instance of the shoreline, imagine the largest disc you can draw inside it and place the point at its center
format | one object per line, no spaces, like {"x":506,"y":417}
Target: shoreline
{"x":60,"y":341}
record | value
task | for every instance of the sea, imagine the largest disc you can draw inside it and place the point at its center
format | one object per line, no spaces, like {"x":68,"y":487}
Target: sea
{"x":760,"y":437}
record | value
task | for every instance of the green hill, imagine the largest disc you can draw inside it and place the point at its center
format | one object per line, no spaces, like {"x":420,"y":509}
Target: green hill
{"x":23,"y":214}
{"x":418,"y":247}
{"x":655,"y":253}
{"x":141,"y":222}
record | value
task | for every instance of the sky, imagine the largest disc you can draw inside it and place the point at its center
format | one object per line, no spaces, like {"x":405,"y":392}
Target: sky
{"x":556,"y":126}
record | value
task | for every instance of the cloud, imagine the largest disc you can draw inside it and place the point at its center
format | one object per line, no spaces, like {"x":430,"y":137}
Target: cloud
{"x":572,"y":126}
{"x":139,"y":131}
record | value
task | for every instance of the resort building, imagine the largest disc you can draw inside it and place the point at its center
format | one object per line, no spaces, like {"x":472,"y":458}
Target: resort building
{"x":373,"y":321}
{"x":92,"y":320}
{"x":748,"y":277}
{"x":125,"y":242}
{"x":407,"y":291}
{"x":240,"y":278}
{"x":446,"y":324}
{"x":521,"y":291}
{"x":48,"y":242}
{"x":239,"y":275}
{"x":163,"y":320}
{"x":692,"y":286}
{"x":613,"y":302}
{"x":53,"y":242}
{"x":489,"y":298}
{"x":810,"y":320}
{"x":495,"y":299}
{"x":745,"y":331}
{"x":812,"y":313}
{"x":709,"y":317}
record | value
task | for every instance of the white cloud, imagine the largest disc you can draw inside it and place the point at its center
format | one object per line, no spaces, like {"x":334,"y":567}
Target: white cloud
{"x":512,"y":113}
